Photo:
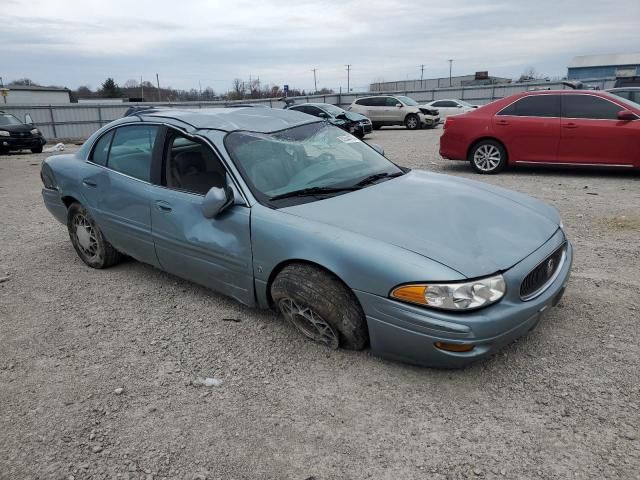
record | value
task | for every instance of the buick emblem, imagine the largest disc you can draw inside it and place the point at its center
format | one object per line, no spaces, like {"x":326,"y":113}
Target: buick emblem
{"x":551,"y":264}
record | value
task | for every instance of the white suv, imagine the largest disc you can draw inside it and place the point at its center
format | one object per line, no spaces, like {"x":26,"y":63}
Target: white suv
{"x":395,"y":110}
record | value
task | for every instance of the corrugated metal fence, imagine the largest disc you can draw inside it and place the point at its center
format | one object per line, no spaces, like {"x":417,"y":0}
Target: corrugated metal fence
{"x":79,"y":121}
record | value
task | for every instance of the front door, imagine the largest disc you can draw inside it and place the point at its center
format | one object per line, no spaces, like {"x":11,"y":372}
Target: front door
{"x":592,"y":133}
{"x":214,"y":252}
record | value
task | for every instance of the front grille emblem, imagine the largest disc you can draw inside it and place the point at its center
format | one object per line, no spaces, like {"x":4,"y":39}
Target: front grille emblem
{"x":551,"y":264}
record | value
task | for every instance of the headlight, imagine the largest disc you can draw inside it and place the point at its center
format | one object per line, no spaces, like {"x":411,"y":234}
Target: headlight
{"x":4,"y":133}
{"x":453,"y":296}
{"x":35,"y":131}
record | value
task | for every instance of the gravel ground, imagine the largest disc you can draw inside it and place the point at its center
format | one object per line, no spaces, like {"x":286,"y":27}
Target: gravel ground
{"x":97,"y":368}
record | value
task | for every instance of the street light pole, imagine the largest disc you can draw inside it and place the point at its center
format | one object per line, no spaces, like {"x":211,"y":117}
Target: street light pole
{"x":348,"y":77}
{"x":421,"y":74}
{"x":315,"y":83}
{"x":450,"y":67}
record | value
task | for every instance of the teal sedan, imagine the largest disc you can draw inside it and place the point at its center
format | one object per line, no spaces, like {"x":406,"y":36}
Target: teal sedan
{"x":280,"y":210}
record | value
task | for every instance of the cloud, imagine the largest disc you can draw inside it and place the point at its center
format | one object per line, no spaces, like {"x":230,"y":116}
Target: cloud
{"x":77,"y":42}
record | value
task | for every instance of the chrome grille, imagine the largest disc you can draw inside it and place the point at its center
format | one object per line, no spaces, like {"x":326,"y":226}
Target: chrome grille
{"x":543,"y":274}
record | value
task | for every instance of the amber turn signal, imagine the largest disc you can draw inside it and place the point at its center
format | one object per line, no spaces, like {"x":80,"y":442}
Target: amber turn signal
{"x":454,"y":347}
{"x":411,"y":293}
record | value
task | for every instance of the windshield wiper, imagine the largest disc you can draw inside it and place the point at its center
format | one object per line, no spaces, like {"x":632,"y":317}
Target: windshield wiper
{"x":375,"y":177}
{"x":313,"y":191}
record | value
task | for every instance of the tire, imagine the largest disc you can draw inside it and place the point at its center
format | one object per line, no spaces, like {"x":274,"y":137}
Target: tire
{"x":488,"y":157}
{"x":376,"y":126}
{"x":37,"y":149}
{"x":412,"y":121}
{"x":360,"y":135}
{"x":320,"y":307}
{"x":91,"y":246}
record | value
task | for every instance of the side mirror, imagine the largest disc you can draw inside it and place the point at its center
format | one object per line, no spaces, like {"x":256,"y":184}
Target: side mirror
{"x":459,"y":106}
{"x":377,"y":148}
{"x":216,"y":201}
{"x":323,"y":115}
{"x":626,"y":115}
{"x":28,"y":120}
{"x":399,"y":105}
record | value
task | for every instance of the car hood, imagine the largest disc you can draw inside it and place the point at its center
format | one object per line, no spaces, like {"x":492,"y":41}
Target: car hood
{"x":471,"y":227}
{"x":355,"y":117}
{"x":17,"y":128}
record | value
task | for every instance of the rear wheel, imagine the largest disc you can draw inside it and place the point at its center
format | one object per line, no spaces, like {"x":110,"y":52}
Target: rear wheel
{"x":412,"y":122}
{"x":87,"y":239}
{"x":376,"y":126}
{"x":37,"y":149}
{"x":320,"y":307}
{"x":488,"y":157}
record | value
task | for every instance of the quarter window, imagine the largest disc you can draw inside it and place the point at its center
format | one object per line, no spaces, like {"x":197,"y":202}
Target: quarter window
{"x":101,"y":150}
{"x":534,"y":106}
{"x":132,"y":149}
{"x":589,"y":106}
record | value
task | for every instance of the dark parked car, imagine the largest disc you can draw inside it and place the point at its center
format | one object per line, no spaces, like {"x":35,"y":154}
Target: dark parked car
{"x":563,"y":127}
{"x":352,"y":122}
{"x":17,"y":135}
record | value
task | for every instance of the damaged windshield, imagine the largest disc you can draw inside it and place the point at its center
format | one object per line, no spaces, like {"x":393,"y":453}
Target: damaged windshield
{"x":307,"y":162}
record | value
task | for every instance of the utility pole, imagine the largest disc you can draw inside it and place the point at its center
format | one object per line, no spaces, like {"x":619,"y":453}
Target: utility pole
{"x":348,"y":77}
{"x":315,"y":83}
{"x":421,"y":74}
{"x":200,"y":85}
{"x":450,"y":67}
{"x":141,"y":89}
{"x":158,"y":82}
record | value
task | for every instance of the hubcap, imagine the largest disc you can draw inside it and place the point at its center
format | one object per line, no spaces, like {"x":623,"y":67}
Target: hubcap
{"x":487,"y":157}
{"x":85,"y":235}
{"x":309,"y":323}
{"x":412,"y":122}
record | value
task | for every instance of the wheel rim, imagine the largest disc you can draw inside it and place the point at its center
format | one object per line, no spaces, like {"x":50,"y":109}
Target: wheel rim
{"x":85,"y":235}
{"x":487,"y":157}
{"x":412,"y":122}
{"x":309,"y":323}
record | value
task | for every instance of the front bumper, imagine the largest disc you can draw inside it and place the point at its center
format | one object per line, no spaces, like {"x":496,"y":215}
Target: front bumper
{"x":429,"y":120}
{"x":19,"y":143}
{"x":407,"y":333}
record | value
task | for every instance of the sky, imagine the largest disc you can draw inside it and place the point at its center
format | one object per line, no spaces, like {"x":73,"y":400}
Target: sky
{"x":190,"y":43}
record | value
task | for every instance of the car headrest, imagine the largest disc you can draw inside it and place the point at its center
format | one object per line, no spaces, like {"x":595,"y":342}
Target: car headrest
{"x":189,"y":163}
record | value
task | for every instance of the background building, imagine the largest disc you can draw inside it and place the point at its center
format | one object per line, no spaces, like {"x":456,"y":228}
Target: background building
{"x":32,"y":95}
{"x":601,"y":66}
{"x":479,"y":78}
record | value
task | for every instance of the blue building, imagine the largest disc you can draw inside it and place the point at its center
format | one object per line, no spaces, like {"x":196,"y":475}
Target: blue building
{"x":600,"y":66}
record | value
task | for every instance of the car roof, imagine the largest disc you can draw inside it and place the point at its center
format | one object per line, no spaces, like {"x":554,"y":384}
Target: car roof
{"x":620,"y":89}
{"x":263,"y":120}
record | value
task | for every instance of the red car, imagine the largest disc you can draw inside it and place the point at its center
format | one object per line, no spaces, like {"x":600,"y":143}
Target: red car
{"x":564,"y":127}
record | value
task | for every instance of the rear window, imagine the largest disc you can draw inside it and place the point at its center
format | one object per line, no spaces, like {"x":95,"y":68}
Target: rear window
{"x":534,"y":106}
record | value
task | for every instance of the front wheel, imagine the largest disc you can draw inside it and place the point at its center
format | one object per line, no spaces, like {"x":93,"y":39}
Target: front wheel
{"x":37,"y":149}
{"x":320,"y":307}
{"x":412,"y":122}
{"x":87,"y":239}
{"x":488,"y":157}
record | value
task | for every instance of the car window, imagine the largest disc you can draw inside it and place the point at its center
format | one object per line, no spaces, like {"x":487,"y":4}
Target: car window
{"x":391,"y":102}
{"x":191,"y":166}
{"x":589,"y":106}
{"x":448,"y":103}
{"x":8,"y":119}
{"x":101,"y":149}
{"x":132,"y":149}
{"x":364,"y":102}
{"x":377,"y":101}
{"x":407,"y":101}
{"x":439,"y":104}
{"x":315,"y":111}
{"x":534,"y":106}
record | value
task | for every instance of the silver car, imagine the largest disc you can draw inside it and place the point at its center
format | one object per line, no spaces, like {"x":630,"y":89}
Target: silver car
{"x":450,"y":106}
{"x":395,"y":110}
{"x":279,"y":210}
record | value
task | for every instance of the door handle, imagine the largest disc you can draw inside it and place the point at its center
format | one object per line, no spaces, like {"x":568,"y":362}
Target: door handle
{"x":502,"y":122}
{"x":87,"y":182}
{"x":570,"y":125}
{"x":163,"y":206}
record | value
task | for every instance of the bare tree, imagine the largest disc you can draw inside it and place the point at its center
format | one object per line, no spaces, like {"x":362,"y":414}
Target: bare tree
{"x":131,"y":83}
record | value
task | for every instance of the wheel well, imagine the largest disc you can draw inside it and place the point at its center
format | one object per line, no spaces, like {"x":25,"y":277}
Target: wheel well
{"x":471,"y":147}
{"x":278,"y":268}
{"x":409,"y":114}
{"x":68,"y":200}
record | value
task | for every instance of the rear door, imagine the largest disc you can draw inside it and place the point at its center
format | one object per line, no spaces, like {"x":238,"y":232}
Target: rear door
{"x":125,"y":192}
{"x":593,"y":135}
{"x":214,"y":252}
{"x":530,"y":128}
